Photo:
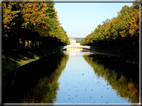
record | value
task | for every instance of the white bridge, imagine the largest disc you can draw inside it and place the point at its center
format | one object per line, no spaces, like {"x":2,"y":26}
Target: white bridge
{"x":76,"y":46}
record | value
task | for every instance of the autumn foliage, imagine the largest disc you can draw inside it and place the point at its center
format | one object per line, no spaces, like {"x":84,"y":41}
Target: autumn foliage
{"x":119,"y":33}
{"x":31,"y":23}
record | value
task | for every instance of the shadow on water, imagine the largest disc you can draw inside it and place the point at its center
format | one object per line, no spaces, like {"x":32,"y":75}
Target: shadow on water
{"x":35,"y":82}
{"x":123,"y":77}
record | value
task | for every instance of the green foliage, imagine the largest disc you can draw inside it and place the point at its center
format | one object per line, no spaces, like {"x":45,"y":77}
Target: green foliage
{"x":119,"y":33}
{"x":34,"y":22}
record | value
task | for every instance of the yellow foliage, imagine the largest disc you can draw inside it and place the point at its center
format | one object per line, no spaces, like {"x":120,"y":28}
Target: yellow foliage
{"x":131,"y":86}
{"x":122,"y":79}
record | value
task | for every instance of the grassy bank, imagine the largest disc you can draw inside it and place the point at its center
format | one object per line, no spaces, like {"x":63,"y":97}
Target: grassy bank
{"x":13,"y":60}
{"x":128,"y":55}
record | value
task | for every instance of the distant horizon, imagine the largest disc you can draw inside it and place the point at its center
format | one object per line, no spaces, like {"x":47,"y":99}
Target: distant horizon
{"x":76,"y":37}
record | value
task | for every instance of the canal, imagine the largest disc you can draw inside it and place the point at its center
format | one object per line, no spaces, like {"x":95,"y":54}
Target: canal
{"x":73,"y":76}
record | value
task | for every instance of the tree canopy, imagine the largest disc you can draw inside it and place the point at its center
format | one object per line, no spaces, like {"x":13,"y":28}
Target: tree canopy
{"x":118,"y":33}
{"x":32,"y":21}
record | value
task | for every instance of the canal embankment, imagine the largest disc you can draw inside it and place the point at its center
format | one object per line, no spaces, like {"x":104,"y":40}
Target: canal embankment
{"x":120,"y":55}
{"x":14,"y":59}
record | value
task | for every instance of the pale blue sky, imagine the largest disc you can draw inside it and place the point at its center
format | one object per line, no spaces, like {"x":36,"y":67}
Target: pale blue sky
{"x":80,"y":19}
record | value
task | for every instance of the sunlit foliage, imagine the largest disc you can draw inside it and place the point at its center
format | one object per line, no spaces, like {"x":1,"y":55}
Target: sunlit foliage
{"x":118,"y":33}
{"x":34,"y":22}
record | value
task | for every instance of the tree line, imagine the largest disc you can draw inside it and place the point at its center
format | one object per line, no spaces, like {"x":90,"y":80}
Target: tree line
{"x":119,"y":33}
{"x":31,"y":25}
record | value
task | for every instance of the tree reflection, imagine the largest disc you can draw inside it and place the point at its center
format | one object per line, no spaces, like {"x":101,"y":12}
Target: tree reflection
{"x":119,"y":74}
{"x":35,"y":82}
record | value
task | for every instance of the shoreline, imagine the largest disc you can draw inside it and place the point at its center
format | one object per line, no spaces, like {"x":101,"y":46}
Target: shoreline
{"x":124,"y":56}
{"x":14,"y":60}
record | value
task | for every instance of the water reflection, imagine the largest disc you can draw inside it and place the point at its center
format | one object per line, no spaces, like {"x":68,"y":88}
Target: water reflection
{"x":35,"y":82}
{"x":77,"y":53}
{"x":79,"y":83}
{"x":123,"y":77}
{"x":73,"y":77}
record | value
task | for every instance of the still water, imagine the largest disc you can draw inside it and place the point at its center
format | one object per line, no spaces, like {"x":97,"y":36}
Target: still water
{"x":73,"y":77}
{"x":79,"y":83}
